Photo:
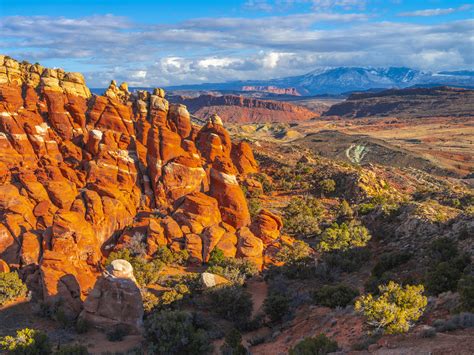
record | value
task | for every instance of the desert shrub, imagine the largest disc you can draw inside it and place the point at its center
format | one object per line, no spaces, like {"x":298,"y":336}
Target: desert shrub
{"x":137,"y":244}
{"x":216,"y":257}
{"x":234,"y":270}
{"x":292,"y":253}
{"x":327,"y":186}
{"x":302,"y":216}
{"x":117,"y":333}
{"x":445,"y":275}
{"x":302,"y":269}
{"x":82,"y":326}
{"x":265,"y":181}
{"x":176,"y":332}
{"x":395,"y":309}
{"x":174,"y":295}
{"x":150,"y":301}
{"x":443,"y":249}
{"x":254,"y":206}
{"x":466,"y":292}
{"x":26,"y":342}
{"x":390,"y":261}
{"x":232,"y":303}
{"x":233,"y":344}
{"x":191,"y":281}
{"x":345,"y":211}
{"x":462,"y":320}
{"x":366,"y":208}
{"x":343,"y":237}
{"x":318,"y":345}
{"x":349,"y":260}
{"x":74,"y":349}
{"x":276,"y":306}
{"x":170,"y":257}
{"x":11,"y":287}
{"x":146,"y":272}
{"x":335,"y":296}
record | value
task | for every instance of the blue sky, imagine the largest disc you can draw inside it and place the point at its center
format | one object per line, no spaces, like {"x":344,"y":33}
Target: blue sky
{"x":159,"y":43}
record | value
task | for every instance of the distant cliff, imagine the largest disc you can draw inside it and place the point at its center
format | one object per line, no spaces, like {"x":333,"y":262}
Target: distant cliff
{"x":416,"y":102}
{"x":241,"y":109}
{"x":272,"y":90}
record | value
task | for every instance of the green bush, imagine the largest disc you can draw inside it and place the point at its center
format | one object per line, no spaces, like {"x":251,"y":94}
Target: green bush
{"x":395,"y":309}
{"x":233,"y":344}
{"x":234,"y":270}
{"x":170,"y":257}
{"x":349,"y":260}
{"x":445,"y":275}
{"x":232,"y":303}
{"x":265,"y":181}
{"x":75,"y":349}
{"x":305,"y":268}
{"x":466,"y":292}
{"x":254,"y":206}
{"x":150,"y":301}
{"x":302,"y":216}
{"x":327,"y":186}
{"x":176,"y":332}
{"x":216,"y":257}
{"x":11,"y":287}
{"x":343,"y":237}
{"x":345,"y":211}
{"x":26,"y":342}
{"x":292,"y":253}
{"x":276,"y":306}
{"x":366,"y":208}
{"x":146,"y":272}
{"x":390,"y":261}
{"x":335,"y":296}
{"x":174,"y":295}
{"x":318,"y":345}
{"x":443,"y":249}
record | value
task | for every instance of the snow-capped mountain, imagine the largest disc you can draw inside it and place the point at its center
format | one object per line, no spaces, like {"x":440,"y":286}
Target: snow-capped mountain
{"x":345,"y":79}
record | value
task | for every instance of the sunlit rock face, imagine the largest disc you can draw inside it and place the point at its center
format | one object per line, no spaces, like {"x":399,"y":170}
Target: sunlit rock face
{"x":81,"y":174}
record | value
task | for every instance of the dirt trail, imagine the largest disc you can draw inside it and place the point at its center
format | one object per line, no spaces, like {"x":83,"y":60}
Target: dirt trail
{"x":258,"y":289}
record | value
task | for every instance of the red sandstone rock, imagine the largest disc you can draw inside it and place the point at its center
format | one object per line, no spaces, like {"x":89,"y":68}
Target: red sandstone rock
{"x":243,"y":159}
{"x":267,"y":226}
{"x":76,"y":169}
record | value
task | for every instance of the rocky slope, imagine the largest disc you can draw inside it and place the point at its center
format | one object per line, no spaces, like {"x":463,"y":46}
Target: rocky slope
{"x":80,"y":173}
{"x":419,"y":102}
{"x":239,"y":109}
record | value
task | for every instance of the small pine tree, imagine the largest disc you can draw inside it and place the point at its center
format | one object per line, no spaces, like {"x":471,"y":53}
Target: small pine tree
{"x":395,"y":309}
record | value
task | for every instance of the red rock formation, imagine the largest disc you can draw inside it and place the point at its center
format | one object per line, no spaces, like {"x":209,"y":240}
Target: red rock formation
{"x":240,"y":109}
{"x":76,"y":170}
{"x":272,"y":90}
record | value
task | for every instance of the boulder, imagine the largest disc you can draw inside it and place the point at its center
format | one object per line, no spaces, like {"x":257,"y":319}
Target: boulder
{"x":209,"y":280}
{"x":266,"y":226}
{"x":115,"y":300}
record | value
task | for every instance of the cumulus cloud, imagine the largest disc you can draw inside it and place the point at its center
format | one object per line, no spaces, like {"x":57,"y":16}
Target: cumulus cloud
{"x":228,"y":48}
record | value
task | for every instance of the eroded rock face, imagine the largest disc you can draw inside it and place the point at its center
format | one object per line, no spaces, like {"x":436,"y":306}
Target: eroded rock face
{"x":77,"y":170}
{"x":115,"y":300}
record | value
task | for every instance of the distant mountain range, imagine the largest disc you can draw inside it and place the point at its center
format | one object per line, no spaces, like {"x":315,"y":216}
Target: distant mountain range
{"x":347,"y":79}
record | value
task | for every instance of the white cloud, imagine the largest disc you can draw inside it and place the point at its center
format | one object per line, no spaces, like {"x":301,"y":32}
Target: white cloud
{"x":434,"y":12}
{"x":222,"y":49}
